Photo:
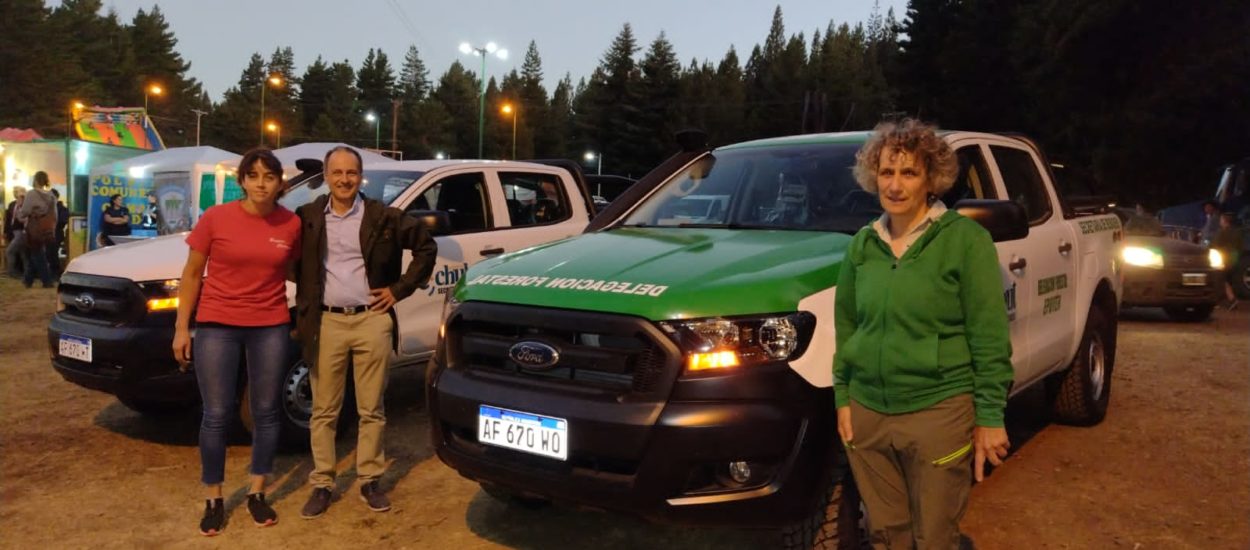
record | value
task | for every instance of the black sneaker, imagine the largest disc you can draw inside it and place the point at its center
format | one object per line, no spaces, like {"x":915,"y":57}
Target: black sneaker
{"x":372,"y":495}
{"x":317,"y":503}
{"x":262,"y":514}
{"x":214,"y":517}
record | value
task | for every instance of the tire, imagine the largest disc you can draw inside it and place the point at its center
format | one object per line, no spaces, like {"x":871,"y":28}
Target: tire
{"x":1239,"y":277}
{"x":1083,"y":390}
{"x":508,"y":497}
{"x":834,"y":523}
{"x":148,"y":407}
{"x":296,"y":406}
{"x":1190,"y":314}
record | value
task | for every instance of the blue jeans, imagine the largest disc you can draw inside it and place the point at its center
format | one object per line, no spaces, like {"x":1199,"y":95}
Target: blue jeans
{"x":216,"y":351}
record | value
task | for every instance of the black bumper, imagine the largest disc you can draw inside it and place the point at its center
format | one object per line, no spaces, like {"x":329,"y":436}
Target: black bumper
{"x":664,"y":461}
{"x":127,"y":361}
{"x":1146,"y":287}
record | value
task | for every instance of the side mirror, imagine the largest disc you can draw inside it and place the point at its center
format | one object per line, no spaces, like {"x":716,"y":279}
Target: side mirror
{"x":436,"y":222}
{"x":1005,"y":220}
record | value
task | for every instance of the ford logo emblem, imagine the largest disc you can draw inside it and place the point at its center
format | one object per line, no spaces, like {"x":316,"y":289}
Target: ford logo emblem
{"x":85,"y":302}
{"x":533,"y":355}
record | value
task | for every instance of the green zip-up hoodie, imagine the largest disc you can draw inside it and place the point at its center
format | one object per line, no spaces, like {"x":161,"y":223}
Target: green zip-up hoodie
{"x":930,"y":325}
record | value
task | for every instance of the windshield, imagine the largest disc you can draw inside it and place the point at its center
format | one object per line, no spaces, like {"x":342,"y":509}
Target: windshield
{"x":805,"y":187}
{"x":1139,"y":225}
{"x":381,"y":185}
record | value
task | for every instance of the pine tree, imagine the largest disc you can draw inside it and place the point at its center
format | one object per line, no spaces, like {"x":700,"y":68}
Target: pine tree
{"x":157,"y":61}
{"x":414,"y":78}
{"x":375,"y":86}
{"x":457,"y":93}
{"x":659,"y":94}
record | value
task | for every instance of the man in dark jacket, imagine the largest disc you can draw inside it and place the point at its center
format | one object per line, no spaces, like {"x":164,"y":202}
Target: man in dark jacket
{"x":15,"y":235}
{"x":348,"y":279}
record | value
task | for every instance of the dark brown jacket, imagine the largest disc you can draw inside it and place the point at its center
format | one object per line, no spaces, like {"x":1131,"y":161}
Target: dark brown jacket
{"x":384,"y":235}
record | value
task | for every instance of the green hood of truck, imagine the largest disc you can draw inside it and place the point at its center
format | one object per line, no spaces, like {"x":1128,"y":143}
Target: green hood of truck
{"x":664,"y":273}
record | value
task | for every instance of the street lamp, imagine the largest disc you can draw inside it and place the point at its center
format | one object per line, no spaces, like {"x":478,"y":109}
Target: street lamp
{"x":377,"y":130}
{"x":74,"y":107}
{"x":482,"y":52}
{"x":440,"y":155}
{"x":153,"y":89}
{"x":275,"y":80}
{"x":273,"y":127}
{"x":508,"y":109}
{"x":598,"y":158}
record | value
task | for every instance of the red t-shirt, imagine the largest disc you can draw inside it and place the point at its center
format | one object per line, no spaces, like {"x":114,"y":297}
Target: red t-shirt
{"x":245,"y":283}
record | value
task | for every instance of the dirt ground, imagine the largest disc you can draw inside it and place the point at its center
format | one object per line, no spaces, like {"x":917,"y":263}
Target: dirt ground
{"x":1167,"y":469}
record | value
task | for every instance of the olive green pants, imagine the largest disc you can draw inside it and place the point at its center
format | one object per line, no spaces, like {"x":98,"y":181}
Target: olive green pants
{"x":913,"y":471}
{"x":365,"y":339}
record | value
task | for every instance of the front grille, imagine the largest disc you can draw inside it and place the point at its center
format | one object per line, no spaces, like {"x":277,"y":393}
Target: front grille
{"x":622,"y":355}
{"x":100,"y":299}
{"x":1187,"y":261}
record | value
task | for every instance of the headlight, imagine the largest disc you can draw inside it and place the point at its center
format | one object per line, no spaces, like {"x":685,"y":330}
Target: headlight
{"x":1217,"y":259}
{"x":1142,"y":257}
{"x":718,"y":343}
{"x":161,"y":295}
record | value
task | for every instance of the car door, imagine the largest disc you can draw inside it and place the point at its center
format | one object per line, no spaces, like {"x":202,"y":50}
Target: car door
{"x":1047,"y":259}
{"x":975,"y":180}
{"x":464,"y":194}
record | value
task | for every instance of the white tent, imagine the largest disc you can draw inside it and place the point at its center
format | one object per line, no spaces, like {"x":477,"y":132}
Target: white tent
{"x":179,"y":182}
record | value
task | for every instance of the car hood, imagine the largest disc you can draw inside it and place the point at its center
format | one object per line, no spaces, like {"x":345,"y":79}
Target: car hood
{"x":665,"y":273}
{"x":152,"y":259}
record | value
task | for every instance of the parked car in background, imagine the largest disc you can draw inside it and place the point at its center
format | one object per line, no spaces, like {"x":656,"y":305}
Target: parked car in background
{"x":1232,"y":194}
{"x":1183,"y":278}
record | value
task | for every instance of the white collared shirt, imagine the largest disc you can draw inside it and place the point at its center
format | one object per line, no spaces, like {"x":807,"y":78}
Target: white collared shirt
{"x":936,"y":209}
{"x":346,"y":284}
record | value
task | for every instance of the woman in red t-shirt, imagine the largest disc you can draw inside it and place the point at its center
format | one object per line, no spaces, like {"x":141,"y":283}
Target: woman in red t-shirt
{"x":240,"y":310}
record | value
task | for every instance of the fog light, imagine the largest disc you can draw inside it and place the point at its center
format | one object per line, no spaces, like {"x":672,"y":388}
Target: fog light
{"x":740,"y":471}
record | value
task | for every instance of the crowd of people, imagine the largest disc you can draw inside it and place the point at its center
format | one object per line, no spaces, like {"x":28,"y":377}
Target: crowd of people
{"x":34,"y":228}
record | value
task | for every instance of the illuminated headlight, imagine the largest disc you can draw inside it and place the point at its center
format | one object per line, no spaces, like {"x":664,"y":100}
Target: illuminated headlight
{"x":1217,"y":259}
{"x":720,"y":343}
{"x":161,"y":295}
{"x":1142,"y":257}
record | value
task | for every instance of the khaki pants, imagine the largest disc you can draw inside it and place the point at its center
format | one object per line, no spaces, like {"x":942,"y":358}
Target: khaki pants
{"x":914,"y":472}
{"x":366,"y":339}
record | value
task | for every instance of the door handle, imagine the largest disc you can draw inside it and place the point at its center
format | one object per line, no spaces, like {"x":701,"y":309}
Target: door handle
{"x":491,"y":251}
{"x":1018,"y":264}
{"x":1065,"y":248}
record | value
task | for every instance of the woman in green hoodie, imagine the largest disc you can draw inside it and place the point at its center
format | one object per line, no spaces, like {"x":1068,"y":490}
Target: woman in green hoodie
{"x":923,"y":358}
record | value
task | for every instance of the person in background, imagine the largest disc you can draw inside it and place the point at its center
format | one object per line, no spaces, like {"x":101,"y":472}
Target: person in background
{"x":54,"y":248}
{"x":240,"y":309}
{"x":1211,"y":221}
{"x":38,"y":216}
{"x":923,"y":358}
{"x":14,"y":235}
{"x":116,"y":222}
{"x":1229,"y":241}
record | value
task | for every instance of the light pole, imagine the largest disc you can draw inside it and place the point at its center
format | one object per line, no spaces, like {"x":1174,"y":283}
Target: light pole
{"x":154,"y":89}
{"x":276,"y":129}
{"x":598,"y":158}
{"x":377,"y":130}
{"x":198,"y":114}
{"x":482,"y":52}
{"x":508,"y":109}
{"x":74,"y":107}
{"x":276,"y":81}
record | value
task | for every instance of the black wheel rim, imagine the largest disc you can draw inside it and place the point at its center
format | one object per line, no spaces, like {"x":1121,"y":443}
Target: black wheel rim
{"x":297,"y":395}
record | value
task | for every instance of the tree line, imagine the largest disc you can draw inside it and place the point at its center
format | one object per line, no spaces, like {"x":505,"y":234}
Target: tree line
{"x":1142,"y":98}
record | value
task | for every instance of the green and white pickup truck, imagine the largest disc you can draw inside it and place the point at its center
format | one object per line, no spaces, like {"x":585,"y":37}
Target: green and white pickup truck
{"x":674,"y":362}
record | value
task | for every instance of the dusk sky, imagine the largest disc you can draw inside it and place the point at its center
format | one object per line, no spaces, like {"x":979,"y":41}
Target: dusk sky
{"x":218,"y":37}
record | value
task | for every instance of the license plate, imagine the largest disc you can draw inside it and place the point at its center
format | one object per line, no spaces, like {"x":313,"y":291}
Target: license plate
{"x":75,"y":347}
{"x":521,"y":431}
{"x":1194,"y":279}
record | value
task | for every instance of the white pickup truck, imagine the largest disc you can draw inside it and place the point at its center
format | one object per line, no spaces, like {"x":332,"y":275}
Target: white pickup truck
{"x":116,"y":306}
{"x":675,"y":362}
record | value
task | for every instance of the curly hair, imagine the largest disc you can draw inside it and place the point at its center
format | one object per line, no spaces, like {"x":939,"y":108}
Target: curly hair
{"x":916,"y":138}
